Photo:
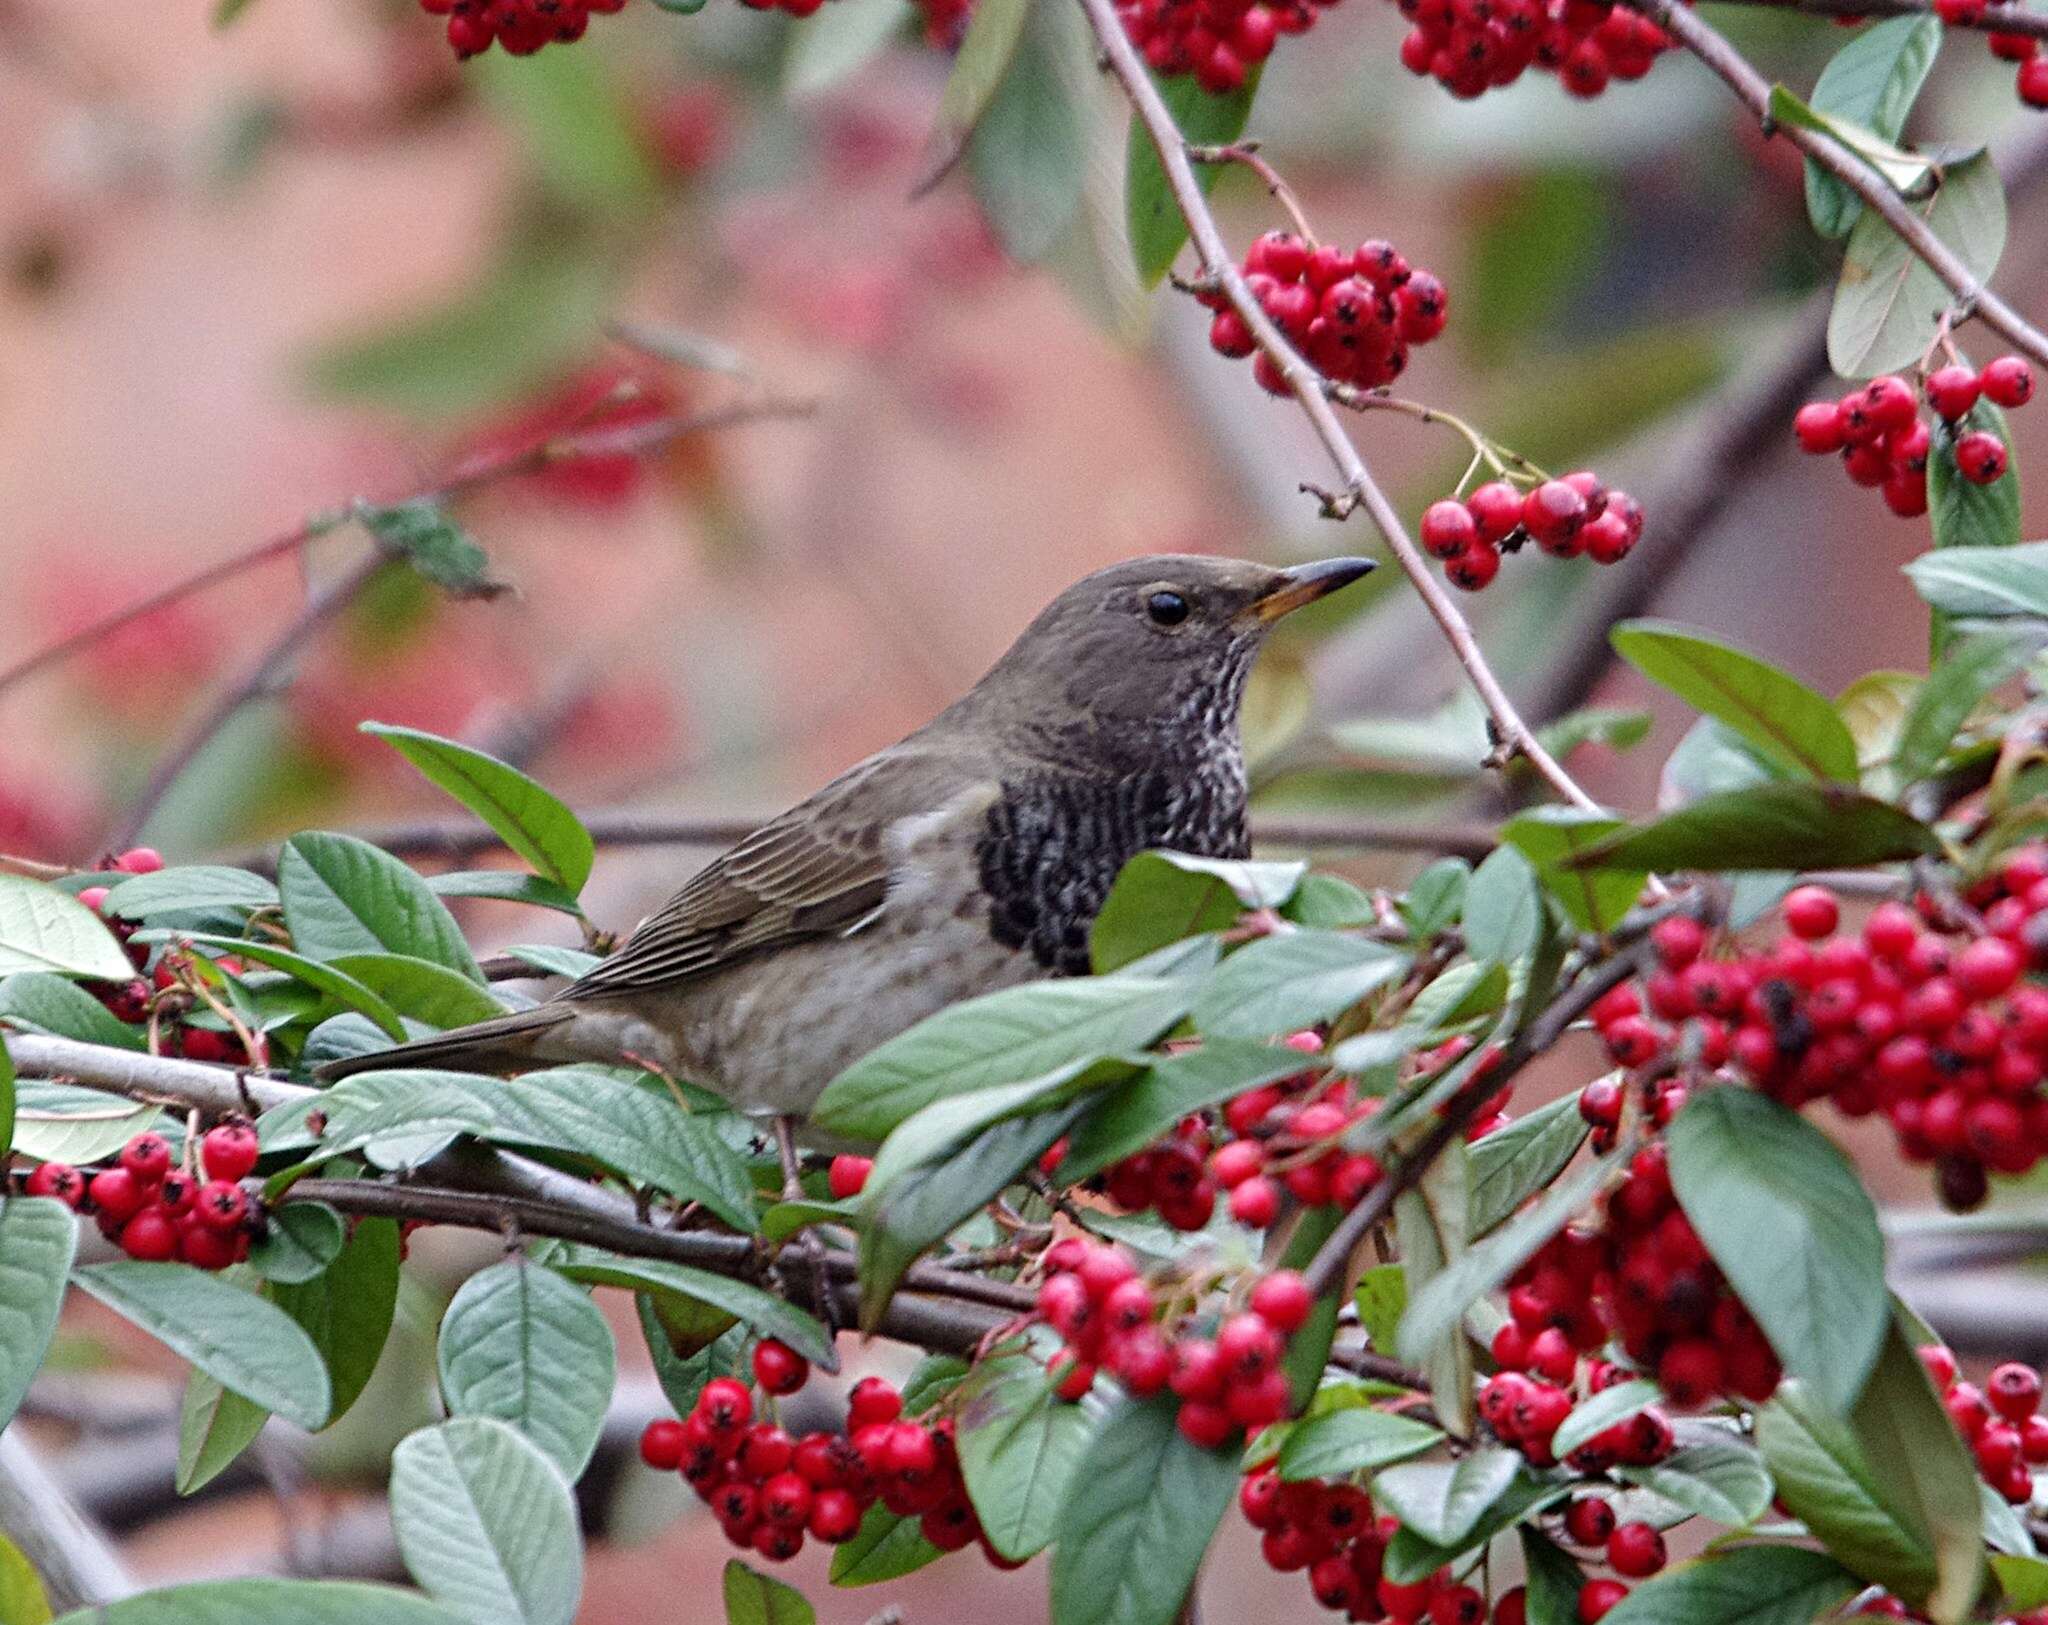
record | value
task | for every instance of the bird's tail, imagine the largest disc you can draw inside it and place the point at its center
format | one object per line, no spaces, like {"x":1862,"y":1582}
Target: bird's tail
{"x":503,"y":1044}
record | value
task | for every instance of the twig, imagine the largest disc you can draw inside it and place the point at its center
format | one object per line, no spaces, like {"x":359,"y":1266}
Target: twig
{"x":1754,"y":92}
{"x":634,"y":439}
{"x":1359,"y":488}
{"x":1247,"y":153}
{"x":259,"y":677}
{"x":1997,"y":19}
{"x":1326,"y":1269}
{"x":77,"y":1566}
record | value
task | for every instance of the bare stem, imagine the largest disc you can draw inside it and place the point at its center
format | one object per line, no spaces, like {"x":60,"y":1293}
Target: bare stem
{"x":1360,"y":490}
{"x":1247,"y":153}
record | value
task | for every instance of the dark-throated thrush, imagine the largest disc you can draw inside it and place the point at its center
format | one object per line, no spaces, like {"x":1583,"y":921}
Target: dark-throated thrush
{"x":971,"y":856}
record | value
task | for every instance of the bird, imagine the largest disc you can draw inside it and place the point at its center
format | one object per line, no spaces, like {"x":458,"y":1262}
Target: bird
{"x":972,"y":855}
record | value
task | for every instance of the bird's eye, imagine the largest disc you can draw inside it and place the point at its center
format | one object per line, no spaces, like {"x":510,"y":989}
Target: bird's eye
{"x":1166,"y":608}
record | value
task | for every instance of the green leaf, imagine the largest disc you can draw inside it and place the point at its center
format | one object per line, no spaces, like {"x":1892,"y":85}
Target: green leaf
{"x":1330,"y":903}
{"x":1028,"y":155}
{"x":1019,"y":1032}
{"x":47,"y":1003}
{"x":38,"y":1236}
{"x":2023,"y":1581}
{"x":1553,"y":1580}
{"x":486,"y":1524}
{"x":1161,"y":897}
{"x":2004,"y":1530}
{"x":1792,"y":1227}
{"x":885,"y":1548}
{"x":299,"y":1241}
{"x":241,"y":1340}
{"x":1511,"y":1164}
{"x":754,"y":1599}
{"x":1353,"y":1441}
{"x":1595,"y":725}
{"x":1436,"y":897}
{"x":581,"y":135}
{"x":1443,"y":1500}
{"x":1279,"y":984}
{"x":1439,"y":1306}
{"x":1020,"y":1446}
{"x":1712,"y":757}
{"x":1412,"y":1556}
{"x":1771,"y":826}
{"x":225,"y":13}
{"x":766,"y":1313}
{"x":423,"y":535}
{"x":1550,"y":837}
{"x":1601,"y":1411}
{"x":521,"y":1344}
{"x":1751,"y":1585}
{"x":1784,"y":720}
{"x":1888,"y":302}
{"x":1503,"y":907}
{"x":198,"y":886}
{"x":836,"y":42}
{"x":421,"y":989}
{"x":507,"y":886}
{"x":1962,"y":512}
{"x":1908,"y":172}
{"x":1824,"y":1479}
{"x":1967,"y":673}
{"x":6,"y":1106}
{"x":1129,"y":1116}
{"x":1381,"y":1296}
{"x":338,"y":985}
{"x":994,"y":32}
{"x":54,"y":1122}
{"x":44,"y":929}
{"x":1872,"y":81}
{"x":1154,"y":220}
{"x":551,"y":960}
{"x":22,"y":1600}
{"x":1133,"y":1533}
{"x":529,"y":818}
{"x":266,"y":1602}
{"x":347,"y":1309}
{"x":1430,"y":1231}
{"x":1721,"y":1479}
{"x":345,"y":896}
{"x":1984,"y":581}
{"x":916,"y":1209}
{"x":683,"y":1376}
{"x":215,"y":1425}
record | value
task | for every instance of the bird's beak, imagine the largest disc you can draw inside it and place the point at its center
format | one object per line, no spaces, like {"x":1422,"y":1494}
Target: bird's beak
{"x":1304,"y":584}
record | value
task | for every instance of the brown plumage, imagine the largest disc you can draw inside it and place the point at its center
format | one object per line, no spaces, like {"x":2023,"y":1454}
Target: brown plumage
{"x":971,"y":856}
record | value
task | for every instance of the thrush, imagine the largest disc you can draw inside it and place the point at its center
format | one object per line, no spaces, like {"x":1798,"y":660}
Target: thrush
{"x":971,"y":856}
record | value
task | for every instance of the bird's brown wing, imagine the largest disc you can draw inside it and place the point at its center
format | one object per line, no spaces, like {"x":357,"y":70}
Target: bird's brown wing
{"x":822,"y":868}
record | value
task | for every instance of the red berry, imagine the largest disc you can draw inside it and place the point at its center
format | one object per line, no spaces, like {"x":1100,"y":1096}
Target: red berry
{"x":229,"y":1151}
{"x":1247,"y":1347}
{"x":1448,"y":528}
{"x":1940,"y":1364}
{"x":1553,"y":513}
{"x":1597,"y":1598}
{"x":151,"y":1235}
{"x":1457,"y":1605}
{"x":140,"y":860}
{"x":786,"y":1499}
{"x":1980,"y":457}
{"x":56,"y":1179}
{"x":2013,"y":47}
{"x":1473,"y":569}
{"x":1513,"y":1608}
{"x":1589,"y":1520}
{"x":1811,"y":912}
{"x":1229,"y":336}
{"x":726,"y":1406}
{"x":2008,"y":381}
{"x":2014,"y":1391}
{"x":1256,"y":1202}
{"x":872,"y":1400}
{"x":1819,"y":427}
{"x":1952,"y":391}
{"x":203,"y":1248}
{"x":147,"y":1157}
{"x":1496,"y":508}
{"x":911,"y":1451}
{"x":117,"y":1194}
{"x":1636,"y":1550}
{"x":1279,"y":254}
{"x":1283,"y":1300}
{"x":1887,"y":402}
{"x":778,"y":1368}
{"x":661,"y":1444}
{"x":2032,"y":84}
{"x":848,"y":1175}
{"x":835,"y":1516}
{"x":1204,"y":1425}
{"x":219,"y":1205}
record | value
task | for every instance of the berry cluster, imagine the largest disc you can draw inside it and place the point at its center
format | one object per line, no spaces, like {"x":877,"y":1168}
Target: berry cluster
{"x":2022,"y":49}
{"x":1473,"y":46}
{"x":143,"y":995}
{"x":1218,"y":41}
{"x":1328,"y":1529}
{"x":155,"y":1211}
{"x":1564,"y":517}
{"x":771,"y":1490}
{"x":2000,"y":1421}
{"x":1172,"y":1176}
{"x":1352,"y":314}
{"x":1884,"y":442}
{"x":520,"y":27}
{"x":1922,"y":1016}
{"x":1095,"y":1299}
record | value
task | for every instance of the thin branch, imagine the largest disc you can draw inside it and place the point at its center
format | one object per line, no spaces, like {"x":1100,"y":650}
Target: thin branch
{"x":633,"y":439}
{"x":1754,"y":92}
{"x":457,"y":840}
{"x":77,"y":1565}
{"x":1359,"y":487}
{"x":1996,"y":19}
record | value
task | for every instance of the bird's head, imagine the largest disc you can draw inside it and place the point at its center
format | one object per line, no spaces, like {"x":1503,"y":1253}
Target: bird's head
{"x":1153,"y":644}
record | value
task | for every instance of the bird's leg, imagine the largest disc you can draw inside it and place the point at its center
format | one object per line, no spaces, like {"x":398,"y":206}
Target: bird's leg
{"x":805,"y":1243}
